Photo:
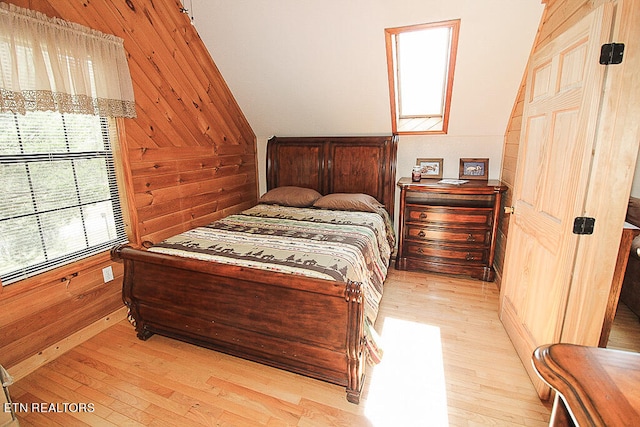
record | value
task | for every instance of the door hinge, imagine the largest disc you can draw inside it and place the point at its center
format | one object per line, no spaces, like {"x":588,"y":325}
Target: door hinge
{"x":583,"y":225}
{"x":611,"y":53}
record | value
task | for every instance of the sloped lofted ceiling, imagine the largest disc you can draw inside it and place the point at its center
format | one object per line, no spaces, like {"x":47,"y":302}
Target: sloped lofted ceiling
{"x":311,"y":67}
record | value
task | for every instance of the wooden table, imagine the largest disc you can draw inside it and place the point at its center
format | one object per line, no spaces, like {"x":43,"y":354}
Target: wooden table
{"x":594,"y":386}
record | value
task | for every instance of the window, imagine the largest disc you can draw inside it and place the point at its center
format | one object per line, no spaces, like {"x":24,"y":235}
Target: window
{"x":59,"y":198}
{"x":420,"y":62}
{"x":61,"y":88}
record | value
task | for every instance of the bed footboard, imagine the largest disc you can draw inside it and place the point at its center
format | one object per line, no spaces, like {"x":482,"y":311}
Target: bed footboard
{"x":308,"y":326}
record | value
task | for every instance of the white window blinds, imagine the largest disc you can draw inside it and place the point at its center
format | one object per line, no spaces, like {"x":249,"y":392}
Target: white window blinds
{"x":59,"y":197}
{"x":61,"y":84}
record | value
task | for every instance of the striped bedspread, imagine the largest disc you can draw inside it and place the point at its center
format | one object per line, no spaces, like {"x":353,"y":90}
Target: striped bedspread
{"x":325,"y":244}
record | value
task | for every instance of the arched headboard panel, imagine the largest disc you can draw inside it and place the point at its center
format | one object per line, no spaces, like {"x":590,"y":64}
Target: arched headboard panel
{"x":342,"y":164}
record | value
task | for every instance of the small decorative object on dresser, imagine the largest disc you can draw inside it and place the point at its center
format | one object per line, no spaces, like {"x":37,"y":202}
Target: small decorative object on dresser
{"x":416,"y":175}
{"x":474,"y":169}
{"x":430,"y":168}
{"x":449,"y":228}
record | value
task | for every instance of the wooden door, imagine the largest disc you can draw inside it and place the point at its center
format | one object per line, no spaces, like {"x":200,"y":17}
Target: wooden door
{"x":562,"y":101}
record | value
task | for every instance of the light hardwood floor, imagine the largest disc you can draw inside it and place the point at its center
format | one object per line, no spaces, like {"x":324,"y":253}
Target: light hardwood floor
{"x":625,"y":333}
{"x":447,"y":361}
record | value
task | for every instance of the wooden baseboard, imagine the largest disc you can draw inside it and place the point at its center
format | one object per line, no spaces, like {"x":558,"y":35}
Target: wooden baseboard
{"x":29,"y":365}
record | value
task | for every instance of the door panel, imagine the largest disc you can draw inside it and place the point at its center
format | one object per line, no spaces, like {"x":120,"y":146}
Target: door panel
{"x":561,"y":109}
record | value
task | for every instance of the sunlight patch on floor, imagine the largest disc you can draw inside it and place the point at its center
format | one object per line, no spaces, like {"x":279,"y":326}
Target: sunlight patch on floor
{"x":408,"y":387}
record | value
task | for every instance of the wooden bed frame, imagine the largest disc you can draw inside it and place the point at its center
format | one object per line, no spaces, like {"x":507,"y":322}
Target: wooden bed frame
{"x":308,"y":326}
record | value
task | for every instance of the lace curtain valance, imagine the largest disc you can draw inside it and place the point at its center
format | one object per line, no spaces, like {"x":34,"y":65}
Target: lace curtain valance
{"x":51,"y":64}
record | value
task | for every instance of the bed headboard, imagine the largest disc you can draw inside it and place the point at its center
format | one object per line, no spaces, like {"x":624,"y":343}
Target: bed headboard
{"x":343,"y":164}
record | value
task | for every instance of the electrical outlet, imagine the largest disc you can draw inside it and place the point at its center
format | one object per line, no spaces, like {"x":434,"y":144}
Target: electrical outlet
{"x":107,"y":274}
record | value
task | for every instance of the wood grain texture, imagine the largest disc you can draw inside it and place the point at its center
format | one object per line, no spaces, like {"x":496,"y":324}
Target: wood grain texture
{"x":560,"y":109}
{"x":349,"y":164}
{"x":187,"y":159}
{"x":309,"y":326}
{"x":164,"y":382}
{"x":598,"y":387}
{"x":625,"y":332}
{"x":607,"y":193}
{"x":449,"y":228}
{"x":616,"y":155}
{"x":273,"y":318}
{"x":512,"y":135}
{"x":628,"y":234}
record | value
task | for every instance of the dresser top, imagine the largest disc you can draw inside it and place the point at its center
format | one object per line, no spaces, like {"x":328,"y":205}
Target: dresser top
{"x":471,"y":186}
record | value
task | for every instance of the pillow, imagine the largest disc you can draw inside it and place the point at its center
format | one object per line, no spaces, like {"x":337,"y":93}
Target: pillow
{"x":290,"y":196}
{"x":349,"y":202}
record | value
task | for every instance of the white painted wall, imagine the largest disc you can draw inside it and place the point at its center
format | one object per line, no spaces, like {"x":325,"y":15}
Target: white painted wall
{"x":318,"y":67}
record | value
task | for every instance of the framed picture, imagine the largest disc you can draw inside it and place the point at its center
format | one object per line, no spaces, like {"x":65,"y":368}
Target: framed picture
{"x":430,"y":168}
{"x":474,"y":169}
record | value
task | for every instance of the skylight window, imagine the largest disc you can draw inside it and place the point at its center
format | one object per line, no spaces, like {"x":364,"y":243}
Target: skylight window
{"x":421,"y":62}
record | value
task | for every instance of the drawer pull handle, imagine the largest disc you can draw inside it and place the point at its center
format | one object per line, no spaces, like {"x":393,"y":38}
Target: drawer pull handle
{"x":471,"y":238}
{"x":423,"y":215}
{"x":469,"y":257}
{"x":421,"y":233}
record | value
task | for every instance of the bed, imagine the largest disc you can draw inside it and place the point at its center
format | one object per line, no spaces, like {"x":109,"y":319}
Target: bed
{"x":315,"y":325}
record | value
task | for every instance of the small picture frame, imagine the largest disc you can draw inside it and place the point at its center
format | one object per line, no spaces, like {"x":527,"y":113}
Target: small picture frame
{"x":430,"y":168}
{"x":474,"y":169}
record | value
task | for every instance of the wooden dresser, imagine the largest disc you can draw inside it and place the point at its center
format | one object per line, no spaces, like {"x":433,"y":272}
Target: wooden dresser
{"x":449,"y":228}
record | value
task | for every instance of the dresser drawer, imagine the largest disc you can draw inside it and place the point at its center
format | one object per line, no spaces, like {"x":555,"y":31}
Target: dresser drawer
{"x":448,"y":216}
{"x":477,"y":236}
{"x":449,"y":254}
{"x":449,"y":228}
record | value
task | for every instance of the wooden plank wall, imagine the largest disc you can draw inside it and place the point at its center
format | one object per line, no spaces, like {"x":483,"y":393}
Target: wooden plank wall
{"x":186,"y":160}
{"x":558,"y":16}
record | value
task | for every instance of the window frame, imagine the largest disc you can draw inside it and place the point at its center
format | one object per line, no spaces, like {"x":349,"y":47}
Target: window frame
{"x":111,"y":156}
{"x":391,"y":40}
